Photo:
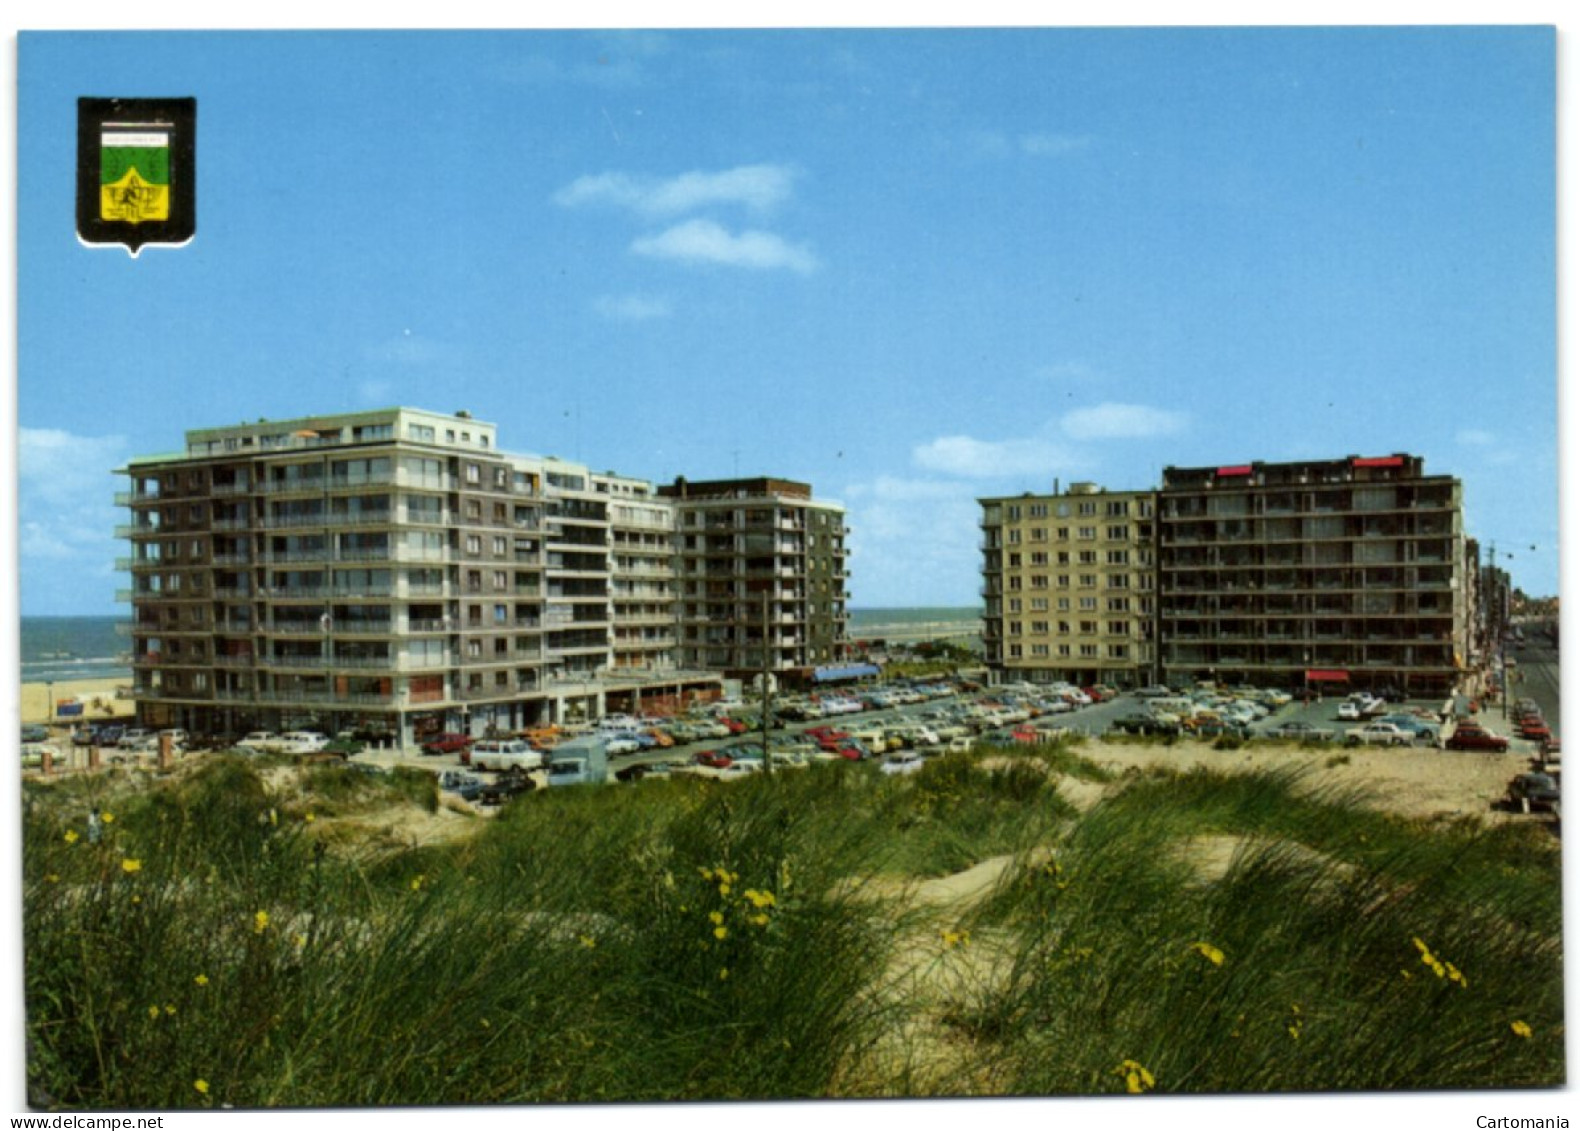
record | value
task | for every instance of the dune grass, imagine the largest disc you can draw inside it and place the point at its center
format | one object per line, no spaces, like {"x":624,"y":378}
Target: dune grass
{"x":229,"y":941}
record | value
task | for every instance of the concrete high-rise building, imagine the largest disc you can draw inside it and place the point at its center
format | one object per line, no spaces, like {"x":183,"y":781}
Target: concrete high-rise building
{"x":1068,"y":585}
{"x":741,"y":540}
{"x":1314,"y":574}
{"x":392,"y":568}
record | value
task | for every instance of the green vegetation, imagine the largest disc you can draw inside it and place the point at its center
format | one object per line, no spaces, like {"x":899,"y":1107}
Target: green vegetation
{"x":251,"y":939}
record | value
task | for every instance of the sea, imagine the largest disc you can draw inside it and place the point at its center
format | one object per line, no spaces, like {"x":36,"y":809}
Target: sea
{"x":69,"y":648}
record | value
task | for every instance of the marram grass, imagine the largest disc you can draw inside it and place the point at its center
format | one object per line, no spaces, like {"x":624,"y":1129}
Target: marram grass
{"x":236,"y":940}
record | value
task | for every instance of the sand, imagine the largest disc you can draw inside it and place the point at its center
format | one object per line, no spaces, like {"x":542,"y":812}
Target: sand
{"x":97,"y":694}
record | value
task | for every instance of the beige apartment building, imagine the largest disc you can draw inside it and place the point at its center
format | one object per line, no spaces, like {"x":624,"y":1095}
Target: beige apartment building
{"x":392,"y":569}
{"x":1068,"y":582}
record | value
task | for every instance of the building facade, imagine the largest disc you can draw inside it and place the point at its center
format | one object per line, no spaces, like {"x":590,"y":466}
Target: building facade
{"x":741,"y":543}
{"x":1068,"y":587}
{"x":1314,"y":574}
{"x":394,"y":569}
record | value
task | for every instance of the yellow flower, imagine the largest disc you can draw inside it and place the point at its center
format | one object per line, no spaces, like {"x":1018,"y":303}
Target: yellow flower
{"x":716,"y":917}
{"x":723,"y":974}
{"x":1137,"y":1078}
{"x":416,"y":883}
{"x":721,"y":932}
{"x":153,"y":1013}
{"x":52,"y":878}
{"x":201,"y":979}
{"x":1209,"y":952}
{"x":707,"y":874}
{"x":953,"y":939}
{"x":724,"y":889}
{"x":301,"y":941}
{"x":758,"y":920}
{"x":170,"y":1009}
{"x":1294,"y":1032}
{"x":760,"y":899}
{"x":71,"y":836}
{"x":588,"y":941}
{"x":107,"y":818}
{"x":260,"y":922}
{"x":130,"y":866}
{"x":201,"y":1086}
{"x":308,"y":817}
{"x":137,"y":899}
{"x":487,"y":1024}
{"x":1455,"y":976}
{"x":1520,"y":1029}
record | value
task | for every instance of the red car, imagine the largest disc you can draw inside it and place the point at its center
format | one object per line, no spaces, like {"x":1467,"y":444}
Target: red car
{"x":1534,"y":729}
{"x":449,"y":744}
{"x":818,"y":734}
{"x":1469,"y":736}
{"x":735,"y":725}
{"x":715,"y":758}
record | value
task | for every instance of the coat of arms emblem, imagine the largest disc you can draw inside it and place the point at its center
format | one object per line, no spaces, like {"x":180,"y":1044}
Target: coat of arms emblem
{"x":136,"y":171}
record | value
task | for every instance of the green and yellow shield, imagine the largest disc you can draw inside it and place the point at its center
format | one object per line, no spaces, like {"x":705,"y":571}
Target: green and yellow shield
{"x":136,"y":171}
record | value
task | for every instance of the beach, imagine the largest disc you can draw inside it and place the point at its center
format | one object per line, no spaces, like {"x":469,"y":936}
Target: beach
{"x":97,"y":695}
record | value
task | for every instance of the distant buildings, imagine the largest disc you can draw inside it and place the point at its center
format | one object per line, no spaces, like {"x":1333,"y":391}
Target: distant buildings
{"x":1316,"y":574}
{"x":396,"y":569}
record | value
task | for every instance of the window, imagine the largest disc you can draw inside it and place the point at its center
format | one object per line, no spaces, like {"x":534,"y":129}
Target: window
{"x":1014,"y":628}
{"x":1039,"y":533}
{"x":1087,"y":532}
{"x":501,"y":546}
{"x":1013,"y":512}
{"x":474,"y":544}
{"x":1038,"y":558}
{"x":1014,"y":604}
{"x":1117,"y":508}
{"x":1086,"y":509}
{"x":1062,"y":510}
{"x":1119,"y":604}
{"x":1039,"y":604}
{"x":1118,"y":651}
{"x":1121,"y":581}
{"x":1064,"y":649}
{"x":1064,"y":581}
{"x":1039,"y":628}
{"x":1039,"y":649}
{"x":1088,"y":580}
{"x":1088,"y":604}
{"x":1064,"y":628}
{"x":501,"y":615}
{"x":1014,"y":651}
{"x":1037,"y":510}
{"x":500,"y":580}
{"x":1116,"y":533}
{"x":1014,"y":561}
{"x":1116,"y":628}
{"x":1062,"y":533}
{"x":1039,"y":581}
{"x":1118,"y":557}
{"x":1087,"y":557}
{"x":1012,"y":537}
{"x":1089,"y":651}
{"x":474,"y":473}
{"x":1064,"y":604}
{"x":423,"y":433}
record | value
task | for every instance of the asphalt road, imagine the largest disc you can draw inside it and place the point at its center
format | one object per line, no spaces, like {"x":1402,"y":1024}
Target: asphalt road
{"x":1535,"y":676}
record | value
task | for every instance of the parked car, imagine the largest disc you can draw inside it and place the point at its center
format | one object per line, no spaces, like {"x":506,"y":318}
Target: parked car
{"x":468,"y":787}
{"x":1473,"y":736}
{"x":1143,"y":724}
{"x":33,"y":732}
{"x":504,"y":754}
{"x":904,"y":762}
{"x":619,"y":744}
{"x":506,"y":786}
{"x":714,"y":758}
{"x":259,"y":742}
{"x":1377,"y":733}
{"x":1535,"y":730}
{"x":303,"y":742}
{"x":1528,"y":792}
{"x":448,"y":743}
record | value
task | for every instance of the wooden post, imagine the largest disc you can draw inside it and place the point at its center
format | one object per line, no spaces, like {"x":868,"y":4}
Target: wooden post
{"x":47,"y":761}
{"x":93,"y":756}
{"x":166,"y":751}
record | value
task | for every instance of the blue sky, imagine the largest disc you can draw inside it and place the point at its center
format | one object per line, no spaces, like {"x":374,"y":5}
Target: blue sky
{"x":910,"y":267}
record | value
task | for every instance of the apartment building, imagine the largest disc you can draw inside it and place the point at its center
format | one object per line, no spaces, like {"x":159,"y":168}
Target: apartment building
{"x":1314,"y":574}
{"x":741,"y":541}
{"x":390,"y":568}
{"x":1068,"y":584}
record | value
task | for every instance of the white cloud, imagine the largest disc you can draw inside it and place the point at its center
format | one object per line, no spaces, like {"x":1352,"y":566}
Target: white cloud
{"x":913,"y":542}
{"x":757,"y":187}
{"x":1475,"y":437}
{"x":632,"y":308}
{"x":1113,"y":421}
{"x":965,"y":455}
{"x":703,"y":241}
{"x":61,"y":469}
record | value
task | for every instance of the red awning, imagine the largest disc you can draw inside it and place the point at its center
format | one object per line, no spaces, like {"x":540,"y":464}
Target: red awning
{"x":1379,"y":461}
{"x":1325,"y":675}
{"x":1244,"y":469}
